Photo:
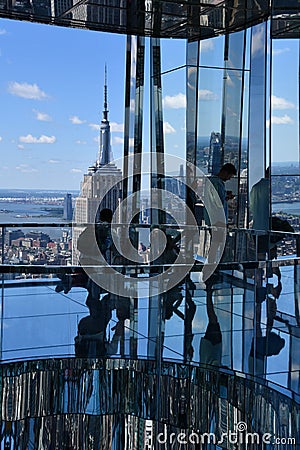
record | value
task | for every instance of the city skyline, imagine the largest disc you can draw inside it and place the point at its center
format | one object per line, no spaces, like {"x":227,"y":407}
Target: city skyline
{"x":51,"y":133}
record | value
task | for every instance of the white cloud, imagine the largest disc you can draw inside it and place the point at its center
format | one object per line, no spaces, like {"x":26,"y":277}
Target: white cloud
{"x":24,"y":168}
{"x":117,"y":127}
{"x":26,"y":90}
{"x":207,"y":45}
{"x":94,"y":126}
{"x":76,"y":121}
{"x":258,"y":40}
{"x":279,"y":51}
{"x":132,"y":105}
{"x":97,"y":139}
{"x":206,"y":95}
{"x":76,"y":171}
{"x":21,"y":146}
{"x":43,"y":117}
{"x":118,"y":140}
{"x":1,"y":138}
{"x":281,"y":103}
{"x":283,"y":120}
{"x":53,"y":161}
{"x":29,"y":139}
{"x":2,"y":31}
{"x":168,"y":129}
{"x":79,"y":142}
{"x":175,"y":101}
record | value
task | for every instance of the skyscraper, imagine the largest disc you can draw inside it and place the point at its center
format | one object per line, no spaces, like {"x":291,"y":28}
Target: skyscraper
{"x":214,"y":163}
{"x":101,"y":186}
{"x":68,"y":210}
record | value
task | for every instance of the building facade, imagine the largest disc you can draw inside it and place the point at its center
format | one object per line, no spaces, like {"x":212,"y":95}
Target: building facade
{"x":101,"y":186}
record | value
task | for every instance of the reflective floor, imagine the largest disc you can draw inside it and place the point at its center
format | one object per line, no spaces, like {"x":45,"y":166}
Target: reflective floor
{"x":238,"y":320}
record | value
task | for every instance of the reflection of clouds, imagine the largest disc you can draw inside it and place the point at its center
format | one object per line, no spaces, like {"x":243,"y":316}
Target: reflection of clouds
{"x":258,"y":39}
{"x":279,"y":51}
{"x":280,"y":120}
{"x":281,"y":103}
{"x":207,"y":95}
{"x":174,"y":101}
{"x":207,"y":45}
{"x":229,"y":81}
{"x":192,"y":77}
{"x":203,"y":94}
{"x":231,"y":112}
{"x":132,"y":105}
{"x":133,"y":62}
{"x":168,"y":129}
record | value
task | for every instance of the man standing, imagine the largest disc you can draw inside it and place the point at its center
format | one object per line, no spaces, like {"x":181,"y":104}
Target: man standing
{"x":260,"y":211}
{"x":218,"y":181}
{"x":260,"y":203}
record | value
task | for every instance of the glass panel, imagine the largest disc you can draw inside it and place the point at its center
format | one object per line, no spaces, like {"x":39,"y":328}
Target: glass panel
{"x":174,"y":104}
{"x":284,"y":108}
{"x":257,"y":105}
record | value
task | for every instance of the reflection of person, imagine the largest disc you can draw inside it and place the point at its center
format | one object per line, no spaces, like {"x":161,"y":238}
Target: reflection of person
{"x":194,"y":200}
{"x":271,"y":344}
{"x":164,"y":248}
{"x":260,"y":211}
{"x":213,"y":215}
{"x":91,"y":340}
{"x":226,"y":172}
{"x":102,"y":231}
{"x":211,"y":343}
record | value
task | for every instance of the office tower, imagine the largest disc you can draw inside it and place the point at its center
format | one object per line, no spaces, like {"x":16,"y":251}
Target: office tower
{"x":101,"y":186}
{"x":68,"y":209}
{"x":215,"y":156}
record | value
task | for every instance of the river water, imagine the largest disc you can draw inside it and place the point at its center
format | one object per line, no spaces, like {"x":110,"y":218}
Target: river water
{"x":20,"y":213}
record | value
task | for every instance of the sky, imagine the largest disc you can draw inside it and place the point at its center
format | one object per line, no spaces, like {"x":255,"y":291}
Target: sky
{"x":51,"y":100}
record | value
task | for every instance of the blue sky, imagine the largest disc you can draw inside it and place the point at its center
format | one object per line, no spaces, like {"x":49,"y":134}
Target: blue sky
{"x":51,"y":94}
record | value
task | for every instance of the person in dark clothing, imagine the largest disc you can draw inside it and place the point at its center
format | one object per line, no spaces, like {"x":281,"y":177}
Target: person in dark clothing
{"x":91,"y":341}
{"x":211,"y":344}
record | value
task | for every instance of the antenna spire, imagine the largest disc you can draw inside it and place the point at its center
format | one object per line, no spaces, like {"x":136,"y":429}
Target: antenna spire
{"x":105,"y":110}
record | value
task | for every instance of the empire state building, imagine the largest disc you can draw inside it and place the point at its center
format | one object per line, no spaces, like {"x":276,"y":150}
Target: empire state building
{"x":102,"y":184}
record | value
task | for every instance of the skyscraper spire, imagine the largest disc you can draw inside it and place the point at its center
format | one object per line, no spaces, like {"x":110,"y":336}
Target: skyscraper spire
{"x":105,"y":110}
{"x":105,"y":153}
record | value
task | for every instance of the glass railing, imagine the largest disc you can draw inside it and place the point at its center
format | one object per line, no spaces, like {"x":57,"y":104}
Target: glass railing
{"x":243,"y":318}
{"x":58,"y":244}
{"x":134,"y":337}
